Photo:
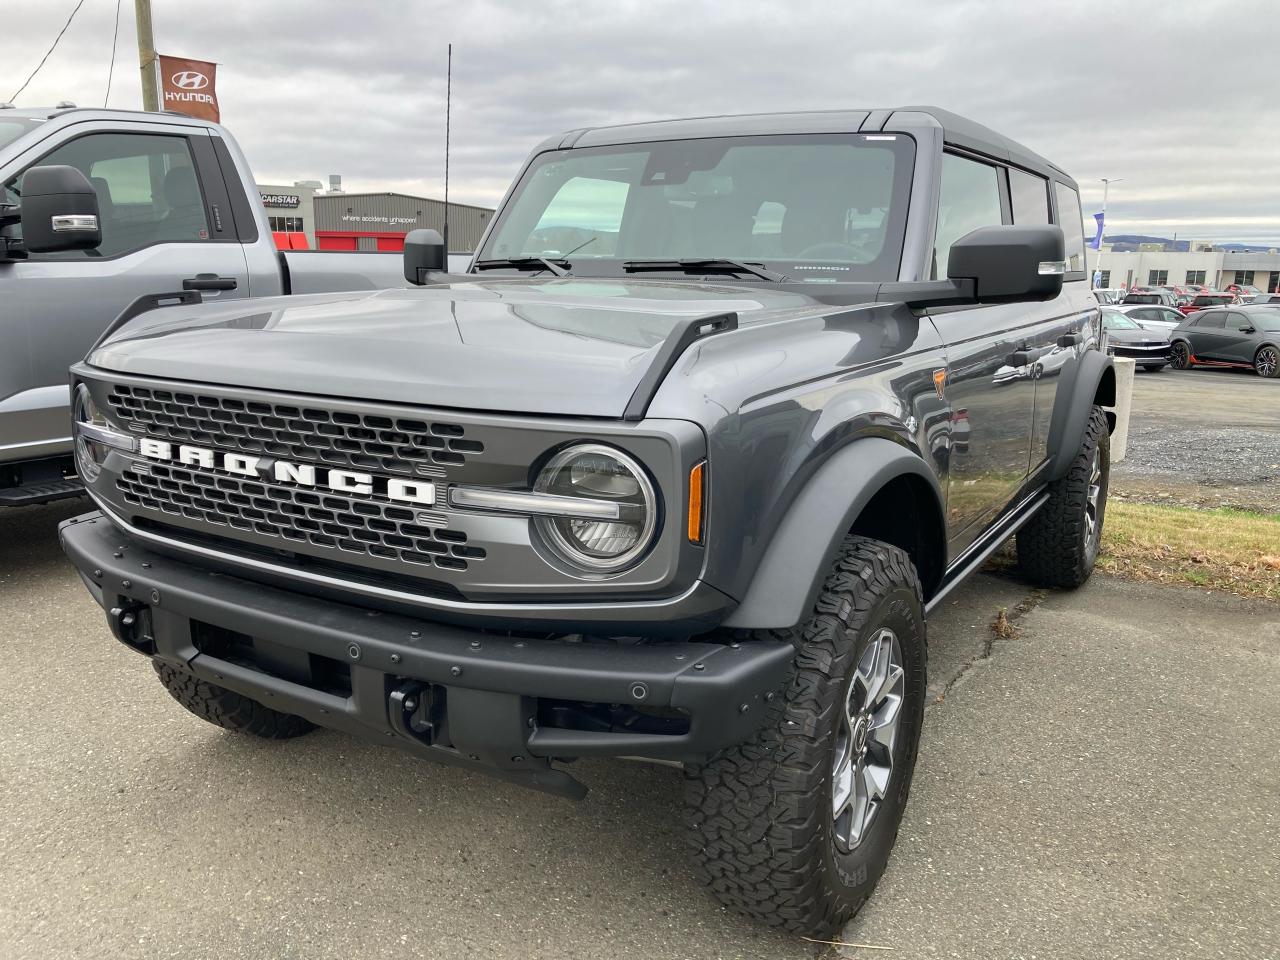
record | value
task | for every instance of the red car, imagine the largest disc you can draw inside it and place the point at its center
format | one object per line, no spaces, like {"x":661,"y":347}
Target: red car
{"x":1203,"y":301}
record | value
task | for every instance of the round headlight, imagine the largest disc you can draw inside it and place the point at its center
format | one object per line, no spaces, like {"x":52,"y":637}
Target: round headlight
{"x":603,"y":476}
{"x":89,"y":453}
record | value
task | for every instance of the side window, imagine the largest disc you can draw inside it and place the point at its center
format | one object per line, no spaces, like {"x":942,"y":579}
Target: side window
{"x":147,"y":188}
{"x":969,"y":198}
{"x":1069,"y":218}
{"x":1030,"y":195}
{"x":1239,"y":321}
{"x":1172,"y":316}
{"x":1214,"y":321}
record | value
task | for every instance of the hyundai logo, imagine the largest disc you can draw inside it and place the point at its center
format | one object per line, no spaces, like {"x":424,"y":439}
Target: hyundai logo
{"x":189,"y":80}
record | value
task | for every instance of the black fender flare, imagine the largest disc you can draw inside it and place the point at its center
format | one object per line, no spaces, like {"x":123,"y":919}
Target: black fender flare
{"x":787,"y":580}
{"x":1095,"y":374}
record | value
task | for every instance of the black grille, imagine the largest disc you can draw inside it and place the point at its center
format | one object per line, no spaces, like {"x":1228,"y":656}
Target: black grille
{"x":395,"y":445}
{"x":363,"y":527}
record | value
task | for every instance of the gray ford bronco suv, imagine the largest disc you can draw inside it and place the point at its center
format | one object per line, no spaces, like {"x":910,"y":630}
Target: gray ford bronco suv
{"x":720,"y":410}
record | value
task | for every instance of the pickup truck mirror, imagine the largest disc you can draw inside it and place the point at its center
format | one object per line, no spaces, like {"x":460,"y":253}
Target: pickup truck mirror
{"x":424,"y":253}
{"x":1010,"y":263}
{"x":59,"y":210}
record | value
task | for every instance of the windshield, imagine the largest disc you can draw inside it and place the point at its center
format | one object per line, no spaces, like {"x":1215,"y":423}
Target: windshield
{"x":819,"y":208}
{"x":11,"y":128}
{"x":1118,"y":321}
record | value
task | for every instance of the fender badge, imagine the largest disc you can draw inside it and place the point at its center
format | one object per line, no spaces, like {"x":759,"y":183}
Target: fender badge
{"x":940,"y":382}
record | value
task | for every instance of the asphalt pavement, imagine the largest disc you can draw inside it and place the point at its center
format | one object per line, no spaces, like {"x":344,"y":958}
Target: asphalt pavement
{"x":1102,"y":784}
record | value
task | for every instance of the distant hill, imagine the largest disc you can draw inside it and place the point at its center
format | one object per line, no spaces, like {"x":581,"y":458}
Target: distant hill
{"x":1128,"y":242}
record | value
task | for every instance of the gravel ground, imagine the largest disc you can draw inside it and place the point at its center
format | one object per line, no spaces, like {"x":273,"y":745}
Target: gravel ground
{"x":1203,"y":438}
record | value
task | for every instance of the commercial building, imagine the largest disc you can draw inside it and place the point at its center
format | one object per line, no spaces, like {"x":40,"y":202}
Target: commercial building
{"x":290,"y":213}
{"x":303,"y":216}
{"x":1218,"y":269}
{"x":379,"y":221}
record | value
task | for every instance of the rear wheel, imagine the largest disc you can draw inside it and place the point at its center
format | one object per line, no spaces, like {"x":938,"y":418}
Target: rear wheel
{"x":1267,"y":362}
{"x":226,"y":708}
{"x":794,"y":827}
{"x":1059,"y":545}
{"x":1180,"y":355}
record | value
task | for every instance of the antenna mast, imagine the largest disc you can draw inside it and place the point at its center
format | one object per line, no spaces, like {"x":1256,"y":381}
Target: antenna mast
{"x":448,"y":103}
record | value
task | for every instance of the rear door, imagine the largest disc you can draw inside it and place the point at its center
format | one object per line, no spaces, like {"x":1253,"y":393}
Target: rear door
{"x":1208,"y":336}
{"x":165,"y":222}
{"x":1240,"y":339}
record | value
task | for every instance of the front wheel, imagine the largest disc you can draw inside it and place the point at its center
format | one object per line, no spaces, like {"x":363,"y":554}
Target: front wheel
{"x":794,"y":827}
{"x":1180,"y":355}
{"x":1267,"y":362}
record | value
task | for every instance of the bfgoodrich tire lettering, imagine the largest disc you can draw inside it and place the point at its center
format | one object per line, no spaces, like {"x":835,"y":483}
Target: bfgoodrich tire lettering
{"x":1059,"y":545}
{"x":226,"y":708}
{"x":761,"y":814}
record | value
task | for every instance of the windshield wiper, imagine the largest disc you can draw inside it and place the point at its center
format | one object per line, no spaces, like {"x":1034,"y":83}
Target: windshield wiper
{"x":522,"y":263}
{"x":706,"y":265}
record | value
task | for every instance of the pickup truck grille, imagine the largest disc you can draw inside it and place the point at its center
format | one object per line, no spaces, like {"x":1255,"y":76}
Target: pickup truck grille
{"x":354,"y":525}
{"x":390,"y":445}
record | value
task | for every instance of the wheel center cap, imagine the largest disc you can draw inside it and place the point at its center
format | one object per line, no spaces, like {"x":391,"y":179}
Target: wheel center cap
{"x":861,"y":729}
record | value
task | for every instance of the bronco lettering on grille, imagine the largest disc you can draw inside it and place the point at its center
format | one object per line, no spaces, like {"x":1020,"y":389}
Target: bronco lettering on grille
{"x":419,"y":492}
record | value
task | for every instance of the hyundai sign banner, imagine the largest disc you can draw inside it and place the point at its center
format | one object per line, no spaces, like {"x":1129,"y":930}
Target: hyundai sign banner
{"x":187,"y":86}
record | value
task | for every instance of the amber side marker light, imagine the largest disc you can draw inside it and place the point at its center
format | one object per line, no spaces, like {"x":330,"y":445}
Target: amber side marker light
{"x":697,"y":479}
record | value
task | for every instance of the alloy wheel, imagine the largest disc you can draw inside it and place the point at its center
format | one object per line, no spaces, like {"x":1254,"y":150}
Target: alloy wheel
{"x":1092,"y":505}
{"x":1267,"y":362}
{"x":862,"y":766}
{"x":1181,"y":356}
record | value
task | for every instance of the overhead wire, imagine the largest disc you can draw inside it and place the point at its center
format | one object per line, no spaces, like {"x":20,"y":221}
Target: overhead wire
{"x":51,"y":49}
{"x":115,"y":37}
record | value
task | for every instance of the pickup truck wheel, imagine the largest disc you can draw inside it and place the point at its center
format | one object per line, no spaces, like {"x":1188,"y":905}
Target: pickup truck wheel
{"x":794,"y":827}
{"x":1059,"y":545}
{"x":226,"y":708}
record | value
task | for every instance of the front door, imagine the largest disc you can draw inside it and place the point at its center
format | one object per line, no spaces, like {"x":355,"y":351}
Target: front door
{"x":159,"y":230}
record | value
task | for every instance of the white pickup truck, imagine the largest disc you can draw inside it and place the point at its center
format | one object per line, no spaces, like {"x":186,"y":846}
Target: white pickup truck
{"x":99,"y":208}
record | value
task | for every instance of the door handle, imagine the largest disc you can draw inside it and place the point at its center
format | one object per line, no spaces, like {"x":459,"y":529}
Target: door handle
{"x":1069,"y":340}
{"x":209,"y":281}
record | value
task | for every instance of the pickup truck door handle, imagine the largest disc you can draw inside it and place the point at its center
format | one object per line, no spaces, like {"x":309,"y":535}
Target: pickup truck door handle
{"x":209,"y":281}
{"x":1069,"y":340}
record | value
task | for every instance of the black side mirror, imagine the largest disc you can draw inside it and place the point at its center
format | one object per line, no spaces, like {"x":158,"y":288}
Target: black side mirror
{"x":424,"y":253}
{"x":59,"y":210}
{"x":1010,"y":263}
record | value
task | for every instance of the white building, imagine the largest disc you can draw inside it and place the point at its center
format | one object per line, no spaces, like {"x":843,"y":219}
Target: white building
{"x":1154,"y":268}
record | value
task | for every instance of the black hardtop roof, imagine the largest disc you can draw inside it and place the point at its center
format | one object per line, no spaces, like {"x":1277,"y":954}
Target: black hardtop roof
{"x":957,"y":130}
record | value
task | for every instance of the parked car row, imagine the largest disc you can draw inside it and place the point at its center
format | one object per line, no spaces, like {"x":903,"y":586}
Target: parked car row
{"x":1231,"y":335}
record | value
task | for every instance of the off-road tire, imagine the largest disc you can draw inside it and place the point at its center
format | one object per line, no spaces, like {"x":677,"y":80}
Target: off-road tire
{"x":1053,"y":548}
{"x":1180,"y":355}
{"x":1266,"y":362}
{"x":760,"y":813}
{"x":226,"y":708}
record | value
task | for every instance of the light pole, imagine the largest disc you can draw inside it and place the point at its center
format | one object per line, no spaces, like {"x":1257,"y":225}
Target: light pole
{"x":1106,"y":186}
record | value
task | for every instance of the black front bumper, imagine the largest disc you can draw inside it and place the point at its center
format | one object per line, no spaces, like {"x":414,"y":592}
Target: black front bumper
{"x":460,"y":696}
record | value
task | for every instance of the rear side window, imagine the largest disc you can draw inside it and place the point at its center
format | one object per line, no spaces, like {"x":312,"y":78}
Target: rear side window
{"x":1215,"y":319}
{"x":969,"y":198}
{"x":1030,"y":196}
{"x":1070,"y":219}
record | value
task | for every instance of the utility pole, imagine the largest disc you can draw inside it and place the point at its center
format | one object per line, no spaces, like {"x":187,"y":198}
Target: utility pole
{"x":147,"y":56}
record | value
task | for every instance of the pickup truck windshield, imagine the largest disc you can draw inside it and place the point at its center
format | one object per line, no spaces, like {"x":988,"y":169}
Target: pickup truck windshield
{"x":12,"y":128}
{"x":818,"y":208}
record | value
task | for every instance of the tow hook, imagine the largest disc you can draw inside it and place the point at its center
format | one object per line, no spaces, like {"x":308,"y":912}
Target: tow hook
{"x":415,"y":712}
{"x":131,"y":624}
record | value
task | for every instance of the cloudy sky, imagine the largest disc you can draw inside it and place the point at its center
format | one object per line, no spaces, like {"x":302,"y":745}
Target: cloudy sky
{"x":1179,"y":99}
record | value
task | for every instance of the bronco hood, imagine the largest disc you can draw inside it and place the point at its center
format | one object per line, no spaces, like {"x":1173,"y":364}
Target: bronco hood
{"x":563,"y":346}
